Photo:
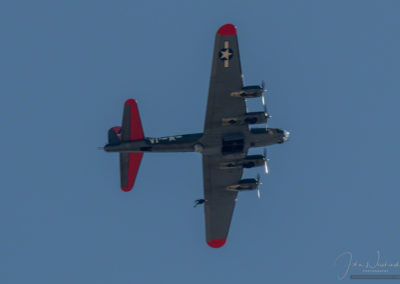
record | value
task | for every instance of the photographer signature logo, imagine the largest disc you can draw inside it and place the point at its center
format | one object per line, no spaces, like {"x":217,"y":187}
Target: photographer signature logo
{"x":347,"y":263}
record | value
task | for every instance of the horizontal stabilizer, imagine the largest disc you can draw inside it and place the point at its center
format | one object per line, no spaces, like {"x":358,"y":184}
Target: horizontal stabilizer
{"x":131,"y":130}
{"x":131,"y":125}
{"x":129,"y":167}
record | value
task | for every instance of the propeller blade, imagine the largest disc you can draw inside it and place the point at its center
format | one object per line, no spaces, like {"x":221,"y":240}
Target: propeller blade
{"x":264,"y":105}
{"x":266,"y":161}
{"x":264,"y":101}
{"x":258,"y":186}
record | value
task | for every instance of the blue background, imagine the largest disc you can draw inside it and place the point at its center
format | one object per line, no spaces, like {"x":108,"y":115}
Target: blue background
{"x":66,"y":68}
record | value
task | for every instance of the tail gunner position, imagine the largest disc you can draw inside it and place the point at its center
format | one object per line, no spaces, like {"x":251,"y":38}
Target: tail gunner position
{"x":224,"y":143}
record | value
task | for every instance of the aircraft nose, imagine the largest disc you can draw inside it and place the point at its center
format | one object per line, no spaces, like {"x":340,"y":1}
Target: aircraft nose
{"x":286,"y":135}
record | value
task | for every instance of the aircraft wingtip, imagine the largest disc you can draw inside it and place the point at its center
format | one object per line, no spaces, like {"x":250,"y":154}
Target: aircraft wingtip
{"x":131,"y":102}
{"x":227,"y":30}
{"x":217,"y":243}
{"x":126,"y":189}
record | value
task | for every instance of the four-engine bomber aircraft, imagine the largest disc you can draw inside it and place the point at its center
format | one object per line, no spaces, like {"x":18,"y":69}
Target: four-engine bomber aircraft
{"x":223,"y":144}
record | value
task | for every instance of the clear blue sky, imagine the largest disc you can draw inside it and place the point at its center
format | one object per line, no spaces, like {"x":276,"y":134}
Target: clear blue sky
{"x":66,"y":67}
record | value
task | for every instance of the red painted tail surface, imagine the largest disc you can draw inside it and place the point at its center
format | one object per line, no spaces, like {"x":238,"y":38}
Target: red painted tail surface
{"x":114,"y":135}
{"x":129,"y":167}
{"x":131,"y":125}
{"x":131,"y":130}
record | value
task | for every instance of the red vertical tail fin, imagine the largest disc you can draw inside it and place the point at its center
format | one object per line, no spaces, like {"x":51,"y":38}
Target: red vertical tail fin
{"x":131,"y":130}
{"x":114,"y":135}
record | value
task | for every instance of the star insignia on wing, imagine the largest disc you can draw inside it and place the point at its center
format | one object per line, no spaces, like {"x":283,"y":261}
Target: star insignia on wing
{"x":225,"y":54}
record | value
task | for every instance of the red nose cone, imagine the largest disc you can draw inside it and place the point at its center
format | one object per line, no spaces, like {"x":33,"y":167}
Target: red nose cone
{"x":227,"y":30}
{"x":216,"y":243}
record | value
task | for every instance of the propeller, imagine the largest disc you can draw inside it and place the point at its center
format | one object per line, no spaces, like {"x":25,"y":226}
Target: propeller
{"x":263,"y":99}
{"x":258,"y":186}
{"x":263,"y":85}
{"x":266,"y":161}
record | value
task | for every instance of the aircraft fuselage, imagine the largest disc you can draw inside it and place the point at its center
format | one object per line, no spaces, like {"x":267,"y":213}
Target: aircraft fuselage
{"x":198,"y":142}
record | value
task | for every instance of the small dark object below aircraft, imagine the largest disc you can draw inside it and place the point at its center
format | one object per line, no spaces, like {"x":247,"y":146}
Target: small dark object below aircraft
{"x":198,"y":202}
{"x":224,"y":143}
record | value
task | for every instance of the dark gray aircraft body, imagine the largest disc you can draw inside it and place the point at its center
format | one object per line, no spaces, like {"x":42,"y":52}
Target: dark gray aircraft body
{"x":224,"y":143}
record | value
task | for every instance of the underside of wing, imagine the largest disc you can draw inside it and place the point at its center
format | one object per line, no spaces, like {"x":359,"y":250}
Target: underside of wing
{"x":222,"y":106}
{"x":219,"y":202}
{"x":226,"y":78}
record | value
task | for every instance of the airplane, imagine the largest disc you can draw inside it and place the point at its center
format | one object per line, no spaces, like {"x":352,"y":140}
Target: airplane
{"x":224,"y":143}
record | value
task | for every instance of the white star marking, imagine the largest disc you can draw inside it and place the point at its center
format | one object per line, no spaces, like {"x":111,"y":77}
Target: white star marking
{"x":225,"y":54}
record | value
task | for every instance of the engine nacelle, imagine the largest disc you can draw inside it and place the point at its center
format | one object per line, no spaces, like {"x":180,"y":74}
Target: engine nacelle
{"x":249,"y":92}
{"x":250,"y":161}
{"x":244,"y":184}
{"x":249,"y":118}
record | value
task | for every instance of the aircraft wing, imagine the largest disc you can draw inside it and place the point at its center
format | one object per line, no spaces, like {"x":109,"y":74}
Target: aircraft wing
{"x":219,"y":202}
{"x":226,"y":77}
